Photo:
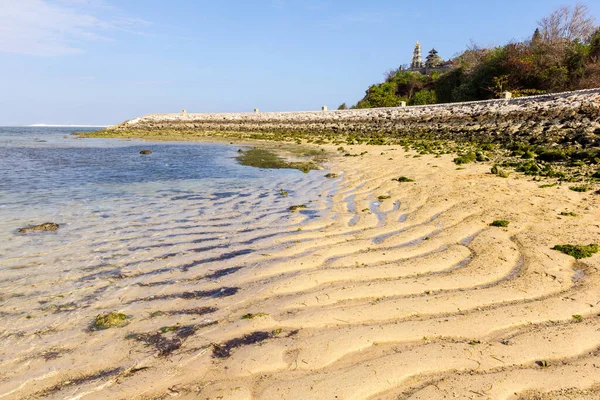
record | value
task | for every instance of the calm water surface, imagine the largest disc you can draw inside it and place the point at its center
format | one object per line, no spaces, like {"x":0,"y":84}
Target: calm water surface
{"x":103,"y":191}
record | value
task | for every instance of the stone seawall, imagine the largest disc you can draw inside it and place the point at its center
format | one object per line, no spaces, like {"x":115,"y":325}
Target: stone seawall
{"x":570,"y":118}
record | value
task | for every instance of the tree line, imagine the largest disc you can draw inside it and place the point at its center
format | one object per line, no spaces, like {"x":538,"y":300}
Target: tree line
{"x":562,"y":54}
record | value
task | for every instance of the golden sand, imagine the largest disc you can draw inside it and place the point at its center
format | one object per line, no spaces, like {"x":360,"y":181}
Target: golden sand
{"x":417,"y":297}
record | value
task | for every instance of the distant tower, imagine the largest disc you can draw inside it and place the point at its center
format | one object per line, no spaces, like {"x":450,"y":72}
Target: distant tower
{"x":433,"y":60}
{"x":417,"y":60}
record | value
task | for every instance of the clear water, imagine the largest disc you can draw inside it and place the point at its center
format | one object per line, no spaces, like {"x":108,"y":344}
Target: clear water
{"x":103,"y":191}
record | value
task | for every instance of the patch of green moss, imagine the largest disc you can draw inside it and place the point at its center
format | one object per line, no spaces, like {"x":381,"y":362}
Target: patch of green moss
{"x":380,"y":198}
{"x":113,"y":319}
{"x":553,"y":155}
{"x":548,"y":185}
{"x":465,"y":158}
{"x":579,"y":188}
{"x":502,"y":223}
{"x":297,"y":207}
{"x":252,"y":316}
{"x":568,"y":214}
{"x":578,"y":251}
{"x":261,"y":158}
{"x":403,"y":179}
{"x":496,"y":170}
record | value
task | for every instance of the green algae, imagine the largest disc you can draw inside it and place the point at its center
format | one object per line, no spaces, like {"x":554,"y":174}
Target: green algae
{"x":577,"y":251}
{"x":113,"y":319}
{"x":501,"y":223}
{"x":262,"y":158}
{"x":403,"y":179}
{"x":253,"y":316}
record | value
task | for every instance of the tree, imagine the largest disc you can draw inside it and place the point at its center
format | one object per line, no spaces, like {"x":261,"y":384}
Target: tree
{"x":343,"y":106}
{"x":567,"y":23}
{"x":536,"y":39}
{"x":423,"y":97}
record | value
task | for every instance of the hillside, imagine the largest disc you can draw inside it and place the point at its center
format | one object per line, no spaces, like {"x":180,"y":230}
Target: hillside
{"x":563,"y":54}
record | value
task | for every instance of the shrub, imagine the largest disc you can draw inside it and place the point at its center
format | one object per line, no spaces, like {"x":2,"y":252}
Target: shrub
{"x":424,"y":97}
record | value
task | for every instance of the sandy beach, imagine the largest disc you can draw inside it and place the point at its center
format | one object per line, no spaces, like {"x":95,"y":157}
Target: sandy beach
{"x":411,"y":296}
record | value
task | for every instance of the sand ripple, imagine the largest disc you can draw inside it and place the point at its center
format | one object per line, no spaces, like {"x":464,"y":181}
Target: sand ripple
{"x":414,"y":296}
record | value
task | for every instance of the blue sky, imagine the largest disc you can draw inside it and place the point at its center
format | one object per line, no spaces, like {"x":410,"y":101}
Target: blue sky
{"x":104,"y":61}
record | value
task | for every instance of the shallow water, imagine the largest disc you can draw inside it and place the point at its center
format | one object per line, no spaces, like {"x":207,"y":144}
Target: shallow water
{"x":185,"y":206}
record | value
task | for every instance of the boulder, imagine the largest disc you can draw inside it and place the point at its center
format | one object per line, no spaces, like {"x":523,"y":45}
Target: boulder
{"x":145,"y":152}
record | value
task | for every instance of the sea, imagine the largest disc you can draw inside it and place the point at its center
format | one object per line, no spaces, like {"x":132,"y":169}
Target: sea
{"x":116,"y":207}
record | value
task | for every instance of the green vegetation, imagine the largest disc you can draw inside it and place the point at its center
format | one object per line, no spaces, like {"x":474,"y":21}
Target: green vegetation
{"x":579,"y":188}
{"x":262,"y":158}
{"x":501,"y":223}
{"x":380,"y":198}
{"x":252,"y":316}
{"x":283,"y":193}
{"x":113,"y":319}
{"x":499,"y":172}
{"x":548,"y":185}
{"x":561,"y":55}
{"x":465,"y":158}
{"x":568,"y":214}
{"x":403,"y":179}
{"x":331,"y":175}
{"x":577,"y":251}
{"x":577,"y":318}
{"x":296,"y":207}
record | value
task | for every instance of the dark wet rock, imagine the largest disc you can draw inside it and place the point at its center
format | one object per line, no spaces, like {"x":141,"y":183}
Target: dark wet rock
{"x":146,"y":152}
{"x":331,"y":175}
{"x":46,"y":226}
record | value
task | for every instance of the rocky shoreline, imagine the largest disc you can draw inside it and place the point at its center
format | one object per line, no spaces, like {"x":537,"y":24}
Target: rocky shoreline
{"x":565,"y":119}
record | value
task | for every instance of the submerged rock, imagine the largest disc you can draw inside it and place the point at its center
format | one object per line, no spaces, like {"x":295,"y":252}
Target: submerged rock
{"x":146,"y":152}
{"x":46,"y":226}
{"x":331,"y":175}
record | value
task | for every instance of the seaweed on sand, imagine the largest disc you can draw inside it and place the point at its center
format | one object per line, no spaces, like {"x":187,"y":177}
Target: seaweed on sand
{"x":261,"y":158}
{"x":501,"y":223}
{"x":112,"y":319}
{"x":403,"y":179}
{"x":578,"y":251}
{"x":168,"y":338}
{"x":224,"y":350}
{"x":252,"y":316}
{"x":297,"y":207}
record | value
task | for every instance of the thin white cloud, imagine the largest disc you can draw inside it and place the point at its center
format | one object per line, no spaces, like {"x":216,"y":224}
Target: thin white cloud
{"x":50,"y":28}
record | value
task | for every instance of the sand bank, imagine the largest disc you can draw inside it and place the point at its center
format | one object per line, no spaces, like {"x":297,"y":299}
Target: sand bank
{"x":412,"y":296}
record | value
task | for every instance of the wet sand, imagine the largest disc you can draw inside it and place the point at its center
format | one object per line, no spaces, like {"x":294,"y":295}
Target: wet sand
{"x":414,"y":296}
